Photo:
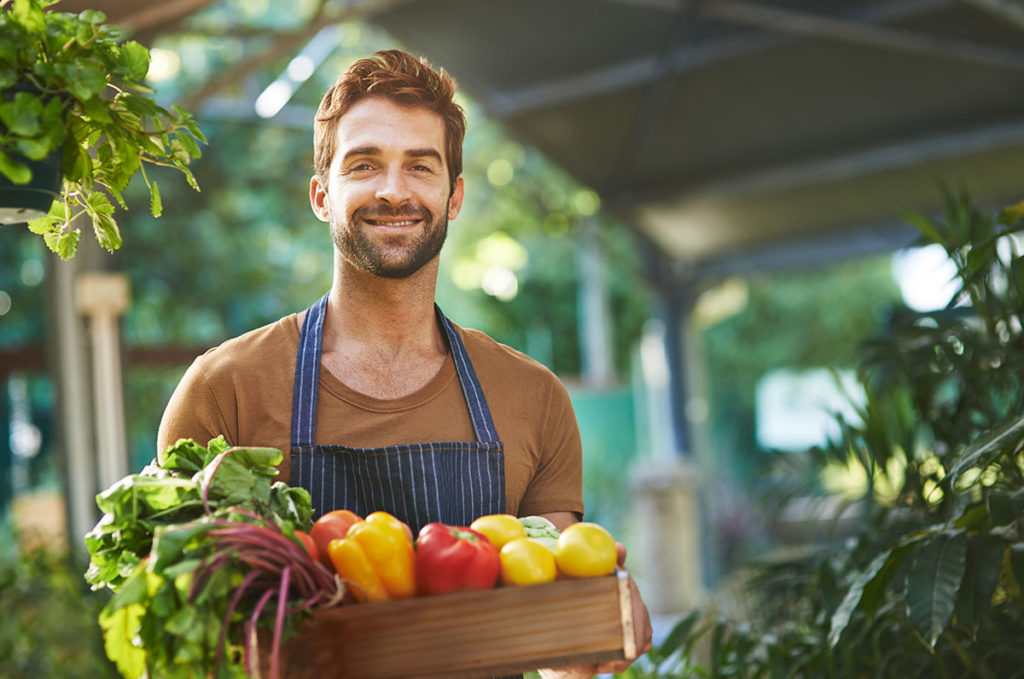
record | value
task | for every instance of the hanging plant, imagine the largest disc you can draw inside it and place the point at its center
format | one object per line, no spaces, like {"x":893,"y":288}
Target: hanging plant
{"x":72,"y":92}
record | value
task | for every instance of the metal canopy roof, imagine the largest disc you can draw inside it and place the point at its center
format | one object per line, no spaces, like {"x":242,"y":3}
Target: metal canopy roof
{"x":739,"y":134}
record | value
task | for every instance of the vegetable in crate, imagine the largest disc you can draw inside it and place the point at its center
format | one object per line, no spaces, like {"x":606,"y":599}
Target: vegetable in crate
{"x":540,"y":530}
{"x":333,"y":525}
{"x":376,"y":558}
{"x":454,"y":558}
{"x":586,"y":550}
{"x":197,"y":549}
{"x":499,"y":528}
{"x":525,"y":561}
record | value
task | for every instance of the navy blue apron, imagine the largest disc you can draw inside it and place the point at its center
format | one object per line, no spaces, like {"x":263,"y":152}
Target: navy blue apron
{"x":452,"y":482}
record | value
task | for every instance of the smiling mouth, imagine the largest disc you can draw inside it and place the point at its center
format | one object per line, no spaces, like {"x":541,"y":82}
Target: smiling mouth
{"x":392,"y":223}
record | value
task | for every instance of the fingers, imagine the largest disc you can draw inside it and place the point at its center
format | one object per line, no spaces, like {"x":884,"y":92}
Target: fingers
{"x":620,"y":553}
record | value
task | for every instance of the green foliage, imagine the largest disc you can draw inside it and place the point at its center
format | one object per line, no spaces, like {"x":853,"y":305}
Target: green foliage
{"x":48,"y":629}
{"x":193,"y":547}
{"x":72,"y":86}
{"x":930,"y":584}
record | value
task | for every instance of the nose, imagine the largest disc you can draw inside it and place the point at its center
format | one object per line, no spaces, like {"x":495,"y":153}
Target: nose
{"x":394,"y":187}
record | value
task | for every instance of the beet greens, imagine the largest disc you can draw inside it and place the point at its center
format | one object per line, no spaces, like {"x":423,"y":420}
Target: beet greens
{"x":200,"y":551}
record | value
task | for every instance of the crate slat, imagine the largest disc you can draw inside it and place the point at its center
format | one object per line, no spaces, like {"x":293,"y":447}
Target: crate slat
{"x":468,"y":634}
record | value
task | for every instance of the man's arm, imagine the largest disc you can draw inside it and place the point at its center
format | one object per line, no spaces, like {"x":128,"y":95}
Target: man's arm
{"x":641,"y":618}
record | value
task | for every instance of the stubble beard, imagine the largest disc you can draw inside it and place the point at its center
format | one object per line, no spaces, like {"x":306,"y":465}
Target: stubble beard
{"x":355,"y":245}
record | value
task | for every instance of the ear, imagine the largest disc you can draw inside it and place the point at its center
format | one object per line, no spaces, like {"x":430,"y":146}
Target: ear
{"x":318,"y":199}
{"x":455,"y":200}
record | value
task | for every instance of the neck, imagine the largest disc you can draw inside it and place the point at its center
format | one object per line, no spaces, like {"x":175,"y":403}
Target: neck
{"x":394,"y":316}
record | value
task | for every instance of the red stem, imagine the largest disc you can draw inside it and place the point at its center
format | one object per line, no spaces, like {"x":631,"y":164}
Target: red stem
{"x":282,"y":597}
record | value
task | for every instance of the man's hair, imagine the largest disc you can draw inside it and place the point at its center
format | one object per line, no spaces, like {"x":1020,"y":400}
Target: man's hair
{"x":405,"y":80}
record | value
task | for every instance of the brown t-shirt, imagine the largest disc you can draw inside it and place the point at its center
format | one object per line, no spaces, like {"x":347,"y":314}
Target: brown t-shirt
{"x":242,"y":390}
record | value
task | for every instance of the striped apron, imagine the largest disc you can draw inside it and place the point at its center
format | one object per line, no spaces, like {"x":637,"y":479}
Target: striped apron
{"x":452,"y":482}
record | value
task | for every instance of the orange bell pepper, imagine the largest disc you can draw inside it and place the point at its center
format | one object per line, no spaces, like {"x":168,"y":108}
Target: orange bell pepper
{"x":376,"y":559}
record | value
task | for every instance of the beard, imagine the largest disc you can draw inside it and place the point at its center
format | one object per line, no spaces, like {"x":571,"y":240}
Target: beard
{"x":394,"y":258}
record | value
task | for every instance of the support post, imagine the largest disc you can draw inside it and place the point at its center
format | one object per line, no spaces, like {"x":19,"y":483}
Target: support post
{"x":594,"y":323}
{"x":667,"y":502}
{"x":102,"y":297}
{"x":68,"y":353}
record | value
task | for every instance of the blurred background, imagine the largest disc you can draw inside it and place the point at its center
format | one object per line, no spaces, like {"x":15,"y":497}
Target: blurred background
{"x":693,"y":212}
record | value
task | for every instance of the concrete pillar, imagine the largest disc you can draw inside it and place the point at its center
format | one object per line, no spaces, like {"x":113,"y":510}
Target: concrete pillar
{"x":594,"y":322}
{"x":667,"y":555}
{"x":102,"y":297}
{"x":68,"y":348}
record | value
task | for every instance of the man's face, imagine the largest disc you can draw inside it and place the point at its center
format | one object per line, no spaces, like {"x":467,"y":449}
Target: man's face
{"x":388,"y":198}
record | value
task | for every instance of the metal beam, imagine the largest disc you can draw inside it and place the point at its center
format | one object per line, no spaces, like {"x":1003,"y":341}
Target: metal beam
{"x":853,"y":163}
{"x":642,"y":70}
{"x":820,"y":26}
{"x":810,"y":250}
{"x":651,"y":104}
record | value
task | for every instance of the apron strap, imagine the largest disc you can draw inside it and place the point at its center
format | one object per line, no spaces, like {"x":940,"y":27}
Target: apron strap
{"x":307,"y":374}
{"x":479,"y":411}
{"x":307,"y":378}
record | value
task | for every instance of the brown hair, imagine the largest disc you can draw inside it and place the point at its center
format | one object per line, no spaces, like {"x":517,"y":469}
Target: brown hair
{"x":405,"y":80}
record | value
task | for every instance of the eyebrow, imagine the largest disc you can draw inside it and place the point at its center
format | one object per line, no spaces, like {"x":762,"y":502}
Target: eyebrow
{"x":376,"y":151}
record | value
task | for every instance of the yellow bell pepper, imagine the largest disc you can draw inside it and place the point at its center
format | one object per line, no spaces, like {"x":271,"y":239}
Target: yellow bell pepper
{"x":376,"y":559}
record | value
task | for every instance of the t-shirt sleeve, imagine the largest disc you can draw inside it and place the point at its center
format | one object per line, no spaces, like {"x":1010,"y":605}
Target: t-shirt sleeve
{"x":193,"y":412}
{"x":557,"y":484}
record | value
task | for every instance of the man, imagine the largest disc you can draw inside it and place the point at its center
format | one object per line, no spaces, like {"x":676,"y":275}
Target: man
{"x":382,"y":402}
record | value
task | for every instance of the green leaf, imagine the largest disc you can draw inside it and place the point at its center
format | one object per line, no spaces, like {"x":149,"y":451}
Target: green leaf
{"x":140,"y":106}
{"x":241,"y":475}
{"x":22,"y":114}
{"x":134,"y":590}
{"x":17,"y":172}
{"x":981,"y":575}
{"x":75,"y":161}
{"x":92,"y":16}
{"x":135,"y":58}
{"x":841,"y":617}
{"x":50,"y":222}
{"x":189,"y":145}
{"x":8,"y":76}
{"x":84,"y":80}
{"x":929,"y":229}
{"x":1011,"y":213}
{"x":933,"y":583}
{"x":84,"y":33}
{"x":1005,"y":507}
{"x":156,"y":206}
{"x":107,"y":233}
{"x":34,"y":149}
{"x":97,"y":111}
{"x":119,"y":631}
{"x":154,"y":493}
{"x":1015,"y":560}
{"x":43,"y":225}
{"x":98,"y":203}
{"x":1017,"y":274}
{"x":29,"y":15}
{"x":188,"y":456}
{"x":1005,"y":439}
{"x":64,"y":243}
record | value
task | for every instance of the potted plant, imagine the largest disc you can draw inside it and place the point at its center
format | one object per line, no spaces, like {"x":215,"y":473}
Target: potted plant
{"x":77,"y":122}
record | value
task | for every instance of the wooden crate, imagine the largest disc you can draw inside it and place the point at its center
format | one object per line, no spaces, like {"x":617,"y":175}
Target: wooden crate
{"x":505,"y":630}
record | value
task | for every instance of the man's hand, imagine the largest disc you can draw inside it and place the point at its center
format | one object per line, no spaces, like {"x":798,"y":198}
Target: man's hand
{"x":641,"y":630}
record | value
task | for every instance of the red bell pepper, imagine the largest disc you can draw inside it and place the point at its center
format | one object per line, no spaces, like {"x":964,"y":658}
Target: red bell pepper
{"x":453,"y":558}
